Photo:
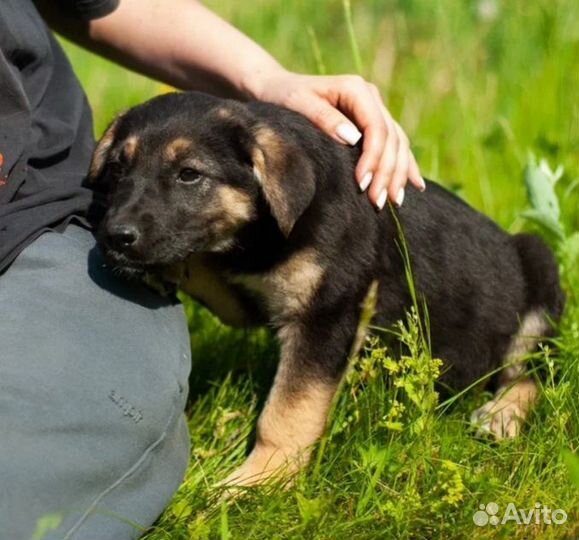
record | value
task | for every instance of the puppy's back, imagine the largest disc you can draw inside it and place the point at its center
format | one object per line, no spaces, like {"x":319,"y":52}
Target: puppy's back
{"x":477,"y":280}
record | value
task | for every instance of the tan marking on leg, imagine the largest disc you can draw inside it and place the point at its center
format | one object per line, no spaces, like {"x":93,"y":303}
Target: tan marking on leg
{"x":177,"y":147}
{"x":525,"y":340}
{"x":286,"y":430}
{"x":288,"y":289}
{"x":293,"y":419}
{"x":504,"y":415}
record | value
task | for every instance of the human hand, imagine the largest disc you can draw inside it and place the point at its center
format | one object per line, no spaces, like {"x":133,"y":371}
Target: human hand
{"x":337,"y":104}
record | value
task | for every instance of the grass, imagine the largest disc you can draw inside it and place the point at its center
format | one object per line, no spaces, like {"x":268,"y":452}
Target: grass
{"x":477,"y":85}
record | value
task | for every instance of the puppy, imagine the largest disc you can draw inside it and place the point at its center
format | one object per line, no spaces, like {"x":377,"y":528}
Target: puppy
{"x":253,"y":211}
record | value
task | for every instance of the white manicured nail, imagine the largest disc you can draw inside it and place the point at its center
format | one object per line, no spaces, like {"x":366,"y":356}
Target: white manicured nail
{"x":366,"y":180}
{"x":400,"y":197}
{"x":422,"y":184}
{"x":348,"y":133}
{"x":381,"y":199}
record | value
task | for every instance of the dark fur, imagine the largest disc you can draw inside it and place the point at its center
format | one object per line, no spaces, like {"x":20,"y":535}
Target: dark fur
{"x":478,"y":281}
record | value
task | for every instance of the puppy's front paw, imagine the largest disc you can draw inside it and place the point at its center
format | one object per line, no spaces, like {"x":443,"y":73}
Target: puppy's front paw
{"x":263,"y":465}
{"x":500,"y":418}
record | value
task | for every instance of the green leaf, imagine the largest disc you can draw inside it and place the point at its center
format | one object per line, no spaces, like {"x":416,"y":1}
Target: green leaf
{"x":182,"y":508}
{"x":46,"y":524}
{"x":545,"y":221}
{"x":572,"y":462}
{"x":225,"y":533}
{"x":310,"y":509}
{"x":540,"y":181}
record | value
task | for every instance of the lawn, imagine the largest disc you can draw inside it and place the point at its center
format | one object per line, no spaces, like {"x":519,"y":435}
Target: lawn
{"x":478,"y":86}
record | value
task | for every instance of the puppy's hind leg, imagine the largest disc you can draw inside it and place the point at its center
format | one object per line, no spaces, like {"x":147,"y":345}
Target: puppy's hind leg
{"x":504,"y":415}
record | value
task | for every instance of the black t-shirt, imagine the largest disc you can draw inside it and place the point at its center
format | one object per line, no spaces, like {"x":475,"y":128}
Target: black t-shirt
{"x":46,"y":133}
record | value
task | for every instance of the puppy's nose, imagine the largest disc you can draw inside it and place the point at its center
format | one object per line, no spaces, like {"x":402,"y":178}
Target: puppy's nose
{"x":122,"y":237}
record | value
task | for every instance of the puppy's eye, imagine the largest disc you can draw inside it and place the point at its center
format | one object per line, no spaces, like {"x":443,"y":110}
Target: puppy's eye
{"x":189,"y":176}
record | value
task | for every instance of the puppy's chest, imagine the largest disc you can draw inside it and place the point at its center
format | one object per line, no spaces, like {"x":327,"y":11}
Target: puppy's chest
{"x":282,"y":292}
{"x":286,"y":290}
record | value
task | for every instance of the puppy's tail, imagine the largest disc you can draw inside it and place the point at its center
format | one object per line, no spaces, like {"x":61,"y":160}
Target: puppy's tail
{"x":541,"y":275}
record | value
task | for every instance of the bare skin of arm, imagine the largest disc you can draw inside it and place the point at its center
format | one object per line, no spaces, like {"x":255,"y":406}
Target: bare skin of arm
{"x":185,"y":45}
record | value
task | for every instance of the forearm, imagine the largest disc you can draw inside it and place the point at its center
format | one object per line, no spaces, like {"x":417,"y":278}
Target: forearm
{"x":181,"y":43}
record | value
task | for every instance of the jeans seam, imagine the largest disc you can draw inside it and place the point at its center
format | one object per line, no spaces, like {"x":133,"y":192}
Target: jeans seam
{"x":132,"y":470}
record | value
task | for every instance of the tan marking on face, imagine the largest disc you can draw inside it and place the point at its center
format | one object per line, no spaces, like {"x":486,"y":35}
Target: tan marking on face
{"x":293,"y":419}
{"x":176,"y":147}
{"x":287,"y":289}
{"x":504,"y":415}
{"x":230,"y":209}
{"x":236,"y":205}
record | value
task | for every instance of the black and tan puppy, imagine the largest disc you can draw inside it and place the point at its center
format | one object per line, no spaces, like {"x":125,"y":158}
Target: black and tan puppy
{"x":252,"y":210}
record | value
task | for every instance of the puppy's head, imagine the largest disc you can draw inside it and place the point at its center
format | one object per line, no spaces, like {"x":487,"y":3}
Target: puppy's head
{"x":186,"y":173}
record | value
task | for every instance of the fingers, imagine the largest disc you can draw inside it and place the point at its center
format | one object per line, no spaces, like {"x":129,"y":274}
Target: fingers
{"x":344,"y":108}
{"x":327,"y":117}
{"x":347,"y":108}
{"x":397,"y":163}
{"x":356,"y":98}
{"x":400,"y":176}
{"x":414,"y":174}
{"x":387,"y":162}
{"x":380,"y":190}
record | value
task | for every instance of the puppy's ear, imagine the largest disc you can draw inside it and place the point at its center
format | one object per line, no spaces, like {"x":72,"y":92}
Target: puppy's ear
{"x":285,"y":174}
{"x":101,"y":152}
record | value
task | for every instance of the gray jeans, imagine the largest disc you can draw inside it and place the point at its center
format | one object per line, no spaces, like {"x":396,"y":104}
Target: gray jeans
{"x":93,"y":383}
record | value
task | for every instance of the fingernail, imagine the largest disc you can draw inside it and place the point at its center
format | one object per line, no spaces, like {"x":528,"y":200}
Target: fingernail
{"x":422,"y":184}
{"x":366,"y":180}
{"x":381,"y":199}
{"x":348,"y":133}
{"x":400,"y":198}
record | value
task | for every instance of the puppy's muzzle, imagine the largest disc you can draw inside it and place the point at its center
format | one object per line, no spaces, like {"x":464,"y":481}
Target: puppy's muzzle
{"x":122,"y":237}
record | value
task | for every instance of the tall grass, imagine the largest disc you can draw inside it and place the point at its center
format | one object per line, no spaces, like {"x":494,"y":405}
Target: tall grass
{"x":477,"y":85}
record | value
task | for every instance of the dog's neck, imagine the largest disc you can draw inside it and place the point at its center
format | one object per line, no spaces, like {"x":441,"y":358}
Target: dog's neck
{"x":258,"y":246}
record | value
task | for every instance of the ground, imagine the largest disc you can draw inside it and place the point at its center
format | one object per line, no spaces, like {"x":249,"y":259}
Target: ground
{"x":478,"y":86}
